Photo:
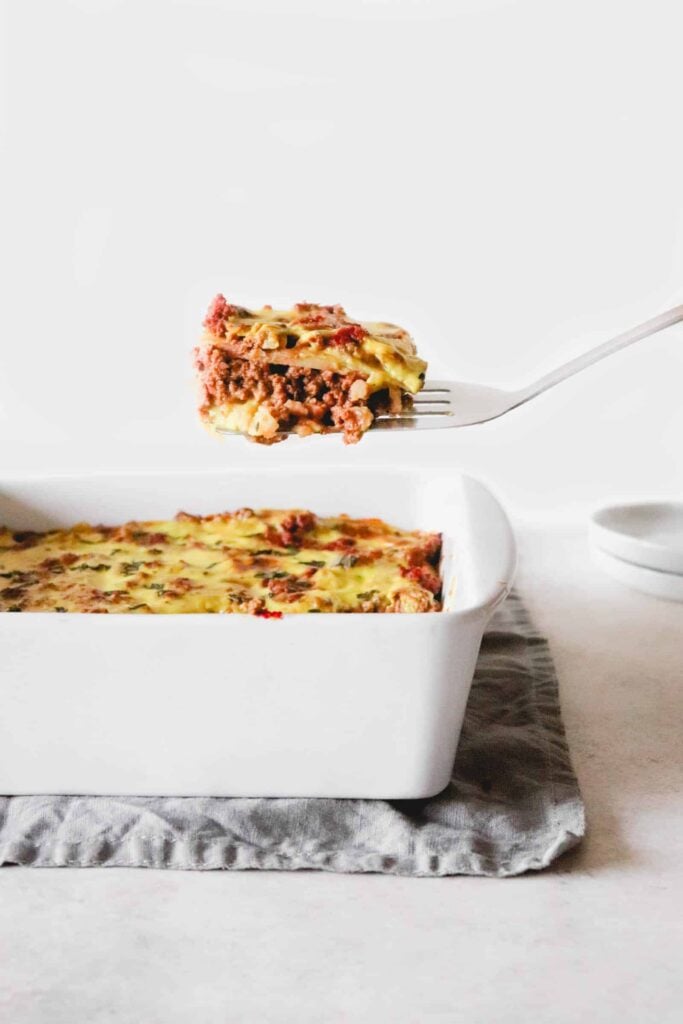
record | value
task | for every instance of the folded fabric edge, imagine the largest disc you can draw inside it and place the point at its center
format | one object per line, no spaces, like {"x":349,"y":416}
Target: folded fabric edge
{"x":222,"y":854}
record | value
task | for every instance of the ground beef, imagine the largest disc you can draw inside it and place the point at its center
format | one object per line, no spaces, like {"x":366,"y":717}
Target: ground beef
{"x":312,"y":316}
{"x":426,"y":575}
{"x":293,"y":528}
{"x":219,"y":311}
{"x":295,"y":396}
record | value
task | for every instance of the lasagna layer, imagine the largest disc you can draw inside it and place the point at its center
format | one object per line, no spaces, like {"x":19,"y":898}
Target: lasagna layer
{"x":307,"y":370}
{"x":264,"y":400}
{"x":260,"y":563}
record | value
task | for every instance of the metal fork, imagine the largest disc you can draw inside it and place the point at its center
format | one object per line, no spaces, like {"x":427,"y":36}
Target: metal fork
{"x":456,"y":404}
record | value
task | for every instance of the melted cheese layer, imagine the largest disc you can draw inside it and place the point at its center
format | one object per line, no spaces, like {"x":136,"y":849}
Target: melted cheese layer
{"x":265,"y":562}
{"x":320,"y":338}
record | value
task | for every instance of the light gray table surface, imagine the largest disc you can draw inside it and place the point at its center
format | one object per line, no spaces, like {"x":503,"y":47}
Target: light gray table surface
{"x":598,"y":938}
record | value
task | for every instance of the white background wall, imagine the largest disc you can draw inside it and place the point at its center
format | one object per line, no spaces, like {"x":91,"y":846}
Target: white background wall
{"x":503,"y":178}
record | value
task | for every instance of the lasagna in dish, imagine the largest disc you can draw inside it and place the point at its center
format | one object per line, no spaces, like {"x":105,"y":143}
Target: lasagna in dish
{"x":307,"y":370}
{"x":259,"y":563}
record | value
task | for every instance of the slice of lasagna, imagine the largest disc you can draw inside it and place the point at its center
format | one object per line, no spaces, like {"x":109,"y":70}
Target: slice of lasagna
{"x":307,"y":370}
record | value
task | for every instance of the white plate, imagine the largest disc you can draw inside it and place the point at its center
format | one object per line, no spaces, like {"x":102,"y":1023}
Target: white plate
{"x":667,"y":585}
{"x":649,"y":535}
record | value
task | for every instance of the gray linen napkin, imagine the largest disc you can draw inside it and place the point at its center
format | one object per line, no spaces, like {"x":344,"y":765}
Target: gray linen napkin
{"x":513,"y":804}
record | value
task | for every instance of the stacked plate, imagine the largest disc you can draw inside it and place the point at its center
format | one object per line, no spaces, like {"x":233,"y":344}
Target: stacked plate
{"x":641,"y":546}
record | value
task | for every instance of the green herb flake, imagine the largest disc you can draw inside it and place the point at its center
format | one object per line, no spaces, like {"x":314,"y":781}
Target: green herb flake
{"x":128,"y":568}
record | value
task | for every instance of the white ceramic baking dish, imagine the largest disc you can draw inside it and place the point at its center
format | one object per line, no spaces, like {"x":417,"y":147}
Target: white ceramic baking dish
{"x":308,"y":705}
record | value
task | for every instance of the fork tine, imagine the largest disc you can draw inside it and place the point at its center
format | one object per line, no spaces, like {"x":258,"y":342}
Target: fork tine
{"x":411,"y":414}
{"x":411,"y":422}
{"x":433,"y":402}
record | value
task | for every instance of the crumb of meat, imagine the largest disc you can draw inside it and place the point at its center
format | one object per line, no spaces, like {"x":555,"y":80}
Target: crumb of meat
{"x":425,"y":575}
{"x":243,"y":513}
{"x":292,"y":530}
{"x":287,"y":590}
{"x":219,"y":311}
{"x":348,"y":335}
{"x":313,"y":316}
{"x":412,"y":600}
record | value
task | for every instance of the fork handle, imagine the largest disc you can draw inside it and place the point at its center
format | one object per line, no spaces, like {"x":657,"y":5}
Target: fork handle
{"x":608,"y":348}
